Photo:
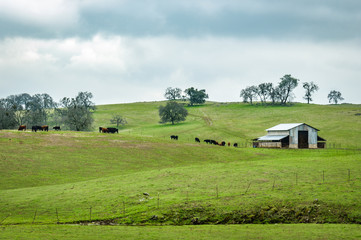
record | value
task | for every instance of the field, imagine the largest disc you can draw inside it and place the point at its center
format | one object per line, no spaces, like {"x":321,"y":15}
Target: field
{"x":51,"y":180}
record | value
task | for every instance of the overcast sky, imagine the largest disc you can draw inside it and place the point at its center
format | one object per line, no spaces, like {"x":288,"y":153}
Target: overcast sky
{"x":129,"y":51}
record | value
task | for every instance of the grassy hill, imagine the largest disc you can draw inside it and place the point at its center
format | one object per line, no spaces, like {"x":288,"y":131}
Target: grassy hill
{"x":140,"y":176}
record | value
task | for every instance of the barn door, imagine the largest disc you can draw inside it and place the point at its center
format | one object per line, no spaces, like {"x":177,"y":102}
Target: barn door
{"x":302,"y":139}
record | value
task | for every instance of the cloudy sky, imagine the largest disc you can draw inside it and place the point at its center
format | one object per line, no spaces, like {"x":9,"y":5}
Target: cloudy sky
{"x":129,"y":51}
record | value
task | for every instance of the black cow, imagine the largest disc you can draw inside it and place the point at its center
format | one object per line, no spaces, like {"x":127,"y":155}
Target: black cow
{"x":207,"y":141}
{"x":197,"y":140}
{"x":113,"y":130}
{"x":235,"y":145}
{"x":36,"y":128}
{"x":57,"y":128}
{"x":175,"y":137}
{"x":214,"y":142}
{"x":223,"y":143}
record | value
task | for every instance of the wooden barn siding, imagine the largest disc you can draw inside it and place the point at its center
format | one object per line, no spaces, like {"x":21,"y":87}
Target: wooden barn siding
{"x":270,"y":144}
{"x":312,"y":136}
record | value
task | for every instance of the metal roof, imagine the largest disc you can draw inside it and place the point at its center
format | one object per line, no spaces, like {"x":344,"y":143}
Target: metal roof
{"x":287,"y":126}
{"x":272,"y":137}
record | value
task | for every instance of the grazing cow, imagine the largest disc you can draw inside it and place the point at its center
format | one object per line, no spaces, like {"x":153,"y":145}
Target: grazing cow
{"x":105,"y":130}
{"x":235,"y":145}
{"x":207,"y":141}
{"x":57,"y":128}
{"x":214,"y":142}
{"x":223,"y":143}
{"x":197,"y":140}
{"x":22,"y":127}
{"x":100,"y":129}
{"x":36,"y":128}
{"x":112,"y":130}
{"x":229,"y":144}
{"x":175,"y":137}
{"x":45,"y":128}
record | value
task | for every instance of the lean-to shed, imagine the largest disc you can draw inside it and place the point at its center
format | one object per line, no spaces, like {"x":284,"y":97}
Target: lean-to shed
{"x":291,"y":135}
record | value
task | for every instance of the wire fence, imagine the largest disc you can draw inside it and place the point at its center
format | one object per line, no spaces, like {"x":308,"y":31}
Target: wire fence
{"x":342,"y":181}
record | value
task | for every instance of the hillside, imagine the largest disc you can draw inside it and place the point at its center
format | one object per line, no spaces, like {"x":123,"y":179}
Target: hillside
{"x":238,"y":122}
{"x":140,"y":176}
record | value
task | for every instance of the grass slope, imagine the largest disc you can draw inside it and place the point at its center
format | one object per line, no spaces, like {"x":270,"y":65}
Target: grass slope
{"x":253,"y":231}
{"x":85,"y":176}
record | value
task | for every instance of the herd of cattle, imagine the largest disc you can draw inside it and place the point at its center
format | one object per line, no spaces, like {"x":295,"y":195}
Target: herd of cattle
{"x":208,"y":141}
{"x":115,"y":130}
{"x":38,"y":128}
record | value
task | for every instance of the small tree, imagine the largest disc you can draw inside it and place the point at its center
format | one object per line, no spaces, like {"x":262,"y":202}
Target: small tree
{"x":196,"y":96}
{"x":334,"y":96}
{"x":310,"y":88}
{"x":118,"y":119}
{"x":173,"y":93}
{"x":264,"y":91}
{"x":249,"y":94}
{"x":286,"y":86}
{"x":172,"y":112}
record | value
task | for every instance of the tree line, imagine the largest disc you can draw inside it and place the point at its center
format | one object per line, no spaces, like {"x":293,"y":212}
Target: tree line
{"x":282,"y":93}
{"x":267,"y":93}
{"x":40,"y":109}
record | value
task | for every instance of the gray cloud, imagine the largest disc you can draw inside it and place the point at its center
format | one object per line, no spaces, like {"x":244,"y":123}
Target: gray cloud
{"x":126,"y":51}
{"x":126,"y":69}
{"x":273,"y":19}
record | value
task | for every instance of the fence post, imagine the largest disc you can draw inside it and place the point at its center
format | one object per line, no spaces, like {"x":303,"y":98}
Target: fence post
{"x":158,"y":201}
{"x":90,"y":213}
{"x":249,"y":185}
{"x":57,"y":215}
{"x":34,"y":216}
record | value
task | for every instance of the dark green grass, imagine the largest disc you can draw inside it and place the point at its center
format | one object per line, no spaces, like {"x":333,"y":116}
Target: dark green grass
{"x":281,"y":231}
{"x":71,"y":172}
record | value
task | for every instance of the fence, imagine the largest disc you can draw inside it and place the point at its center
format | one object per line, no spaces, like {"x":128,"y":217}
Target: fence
{"x":216,"y":193}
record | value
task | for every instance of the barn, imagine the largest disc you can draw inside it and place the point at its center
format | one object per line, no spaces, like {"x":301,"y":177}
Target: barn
{"x":290,"y":135}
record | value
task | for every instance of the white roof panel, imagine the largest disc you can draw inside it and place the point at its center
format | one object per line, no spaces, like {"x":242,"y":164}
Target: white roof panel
{"x":272,"y":137}
{"x":284,"y":126}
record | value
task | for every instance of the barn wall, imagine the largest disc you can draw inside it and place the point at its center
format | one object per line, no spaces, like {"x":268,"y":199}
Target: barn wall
{"x":269,"y":144}
{"x":293,"y":133}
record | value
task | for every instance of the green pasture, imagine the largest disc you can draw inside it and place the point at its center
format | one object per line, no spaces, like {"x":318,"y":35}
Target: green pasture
{"x":253,"y":231}
{"x":238,"y":122}
{"x":141,"y":177}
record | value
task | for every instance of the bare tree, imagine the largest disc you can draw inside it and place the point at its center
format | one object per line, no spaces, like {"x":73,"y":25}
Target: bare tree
{"x":118,"y":119}
{"x":173,"y":93}
{"x":310,"y":89}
